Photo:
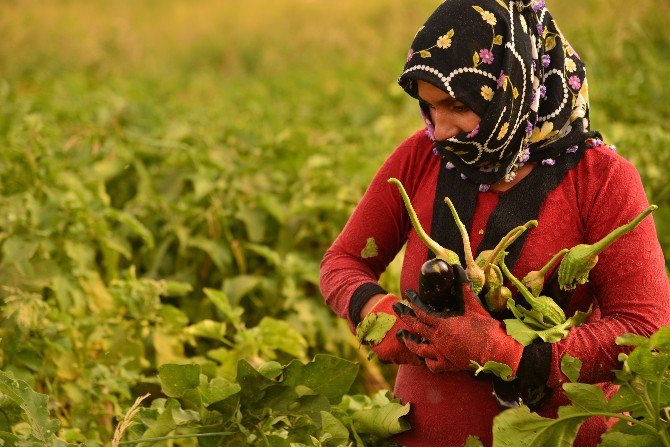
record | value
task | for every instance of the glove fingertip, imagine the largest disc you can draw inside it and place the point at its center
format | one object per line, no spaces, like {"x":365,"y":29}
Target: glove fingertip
{"x":402,"y":309}
{"x":400,"y":335}
{"x":411,"y":295}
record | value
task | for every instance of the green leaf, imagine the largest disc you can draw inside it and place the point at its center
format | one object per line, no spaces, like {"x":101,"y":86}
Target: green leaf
{"x":271,"y":369}
{"x":176,"y":288}
{"x":279,"y":335}
{"x":222,"y":303}
{"x":499,"y":369}
{"x":382,"y":421}
{"x":207,"y":329}
{"x":176,"y":379}
{"x":498,"y":40}
{"x":252,"y":383}
{"x":239,"y":286}
{"x":631,"y":340}
{"x":479,"y":9}
{"x":255,"y":221}
{"x":525,"y":334}
{"x":217,"y":390}
{"x":475,"y":59}
{"x":374,"y":327}
{"x":219,"y":254}
{"x":133,"y":224}
{"x":10,"y":439}
{"x":19,"y":251}
{"x":473,"y":441}
{"x":370,"y":250}
{"x":164,"y":424}
{"x":34,"y":406}
{"x":618,"y":439}
{"x":586,"y":397}
{"x":571,"y":366}
{"x":424,"y":54}
{"x":339,"y":435}
{"x":311,"y":405}
{"x":647,"y":364}
{"x":327,"y":375}
{"x":518,"y":427}
{"x":661,"y":339}
{"x":625,"y":399}
{"x":518,"y":330}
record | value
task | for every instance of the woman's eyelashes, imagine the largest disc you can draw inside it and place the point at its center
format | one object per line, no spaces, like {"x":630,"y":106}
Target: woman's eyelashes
{"x":453,"y":106}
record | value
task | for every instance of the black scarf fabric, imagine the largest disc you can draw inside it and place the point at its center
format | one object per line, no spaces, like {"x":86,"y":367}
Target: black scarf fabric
{"x":509,"y":63}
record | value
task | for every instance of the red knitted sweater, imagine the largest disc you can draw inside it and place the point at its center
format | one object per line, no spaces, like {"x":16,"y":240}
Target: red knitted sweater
{"x":628,"y":286}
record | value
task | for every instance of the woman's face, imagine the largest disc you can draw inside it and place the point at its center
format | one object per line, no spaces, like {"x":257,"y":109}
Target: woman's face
{"x":449,"y":116}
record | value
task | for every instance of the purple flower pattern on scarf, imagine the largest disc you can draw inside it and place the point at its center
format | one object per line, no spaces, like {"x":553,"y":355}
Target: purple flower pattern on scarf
{"x":575,"y":82}
{"x":486,"y":56}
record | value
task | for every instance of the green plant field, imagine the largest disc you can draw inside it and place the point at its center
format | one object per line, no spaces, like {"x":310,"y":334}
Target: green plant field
{"x":172,"y":172}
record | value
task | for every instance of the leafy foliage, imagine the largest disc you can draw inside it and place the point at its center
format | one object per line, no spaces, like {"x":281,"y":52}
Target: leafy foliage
{"x":374,"y":327}
{"x":168,"y":190}
{"x":499,"y":369}
{"x":529,"y":325}
{"x":641,"y":403}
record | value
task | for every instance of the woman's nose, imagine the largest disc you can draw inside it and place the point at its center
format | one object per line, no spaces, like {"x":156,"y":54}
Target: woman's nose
{"x":445,"y":127}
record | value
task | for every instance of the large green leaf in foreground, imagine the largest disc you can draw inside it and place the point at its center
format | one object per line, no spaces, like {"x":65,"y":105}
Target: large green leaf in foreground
{"x":34,"y":406}
{"x":642,"y":403}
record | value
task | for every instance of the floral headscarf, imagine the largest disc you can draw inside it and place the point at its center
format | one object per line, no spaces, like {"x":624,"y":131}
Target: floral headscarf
{"x":509,"y":63}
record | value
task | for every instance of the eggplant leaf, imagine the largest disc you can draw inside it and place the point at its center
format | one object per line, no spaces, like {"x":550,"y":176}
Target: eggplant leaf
{"x":499,"y":369}
{"x":374,"y":327}
{"x":571,"y":366}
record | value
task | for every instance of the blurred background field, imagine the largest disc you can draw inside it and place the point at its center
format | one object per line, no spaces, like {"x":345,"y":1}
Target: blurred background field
{"x":151,"y":149}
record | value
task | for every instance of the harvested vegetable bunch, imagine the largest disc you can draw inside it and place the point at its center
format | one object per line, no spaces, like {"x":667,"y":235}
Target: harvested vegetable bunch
{"x":482,"y":272}
{"x":579,"y":261}
{"x":545,"y":319}
{"x":544,"y":305}
{"x":495,"y":293}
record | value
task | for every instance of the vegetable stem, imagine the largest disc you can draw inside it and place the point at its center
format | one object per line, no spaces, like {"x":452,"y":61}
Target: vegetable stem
{"x":474,"y":272}
{"x":446,"y":255}
{"x":518,"y":284}
{"x":543,"y":271}
{"x":602,"y":244}
{"x":165,"y":438}
{"x":469,"y":260}
{"x":506,"y":241}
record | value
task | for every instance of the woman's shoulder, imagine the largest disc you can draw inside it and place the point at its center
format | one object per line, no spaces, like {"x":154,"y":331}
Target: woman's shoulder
{"x":418,"y":140}
{"x":601,"y":165}
{"x":606,"y":182}
{"x":415,"y":153}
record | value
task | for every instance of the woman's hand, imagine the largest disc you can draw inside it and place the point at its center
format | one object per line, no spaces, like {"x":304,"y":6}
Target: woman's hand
{"x":451,"y":341}
{"x":391,"y":349}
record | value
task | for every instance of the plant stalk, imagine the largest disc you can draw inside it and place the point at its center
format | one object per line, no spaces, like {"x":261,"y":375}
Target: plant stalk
{"x":446,"y":255}
{"x":543,"y":271}
{"x":469,"y":259}
{"x":165,"y":438}
{"x":605,"y":242}
{"x":518,"y":284}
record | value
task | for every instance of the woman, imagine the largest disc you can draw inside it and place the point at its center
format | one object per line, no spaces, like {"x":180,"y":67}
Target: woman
{"x":505,"y":101}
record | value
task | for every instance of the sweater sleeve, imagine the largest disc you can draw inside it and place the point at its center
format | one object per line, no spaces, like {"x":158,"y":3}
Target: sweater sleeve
{"x":373,"y":235}
{"x":629,"y":283}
